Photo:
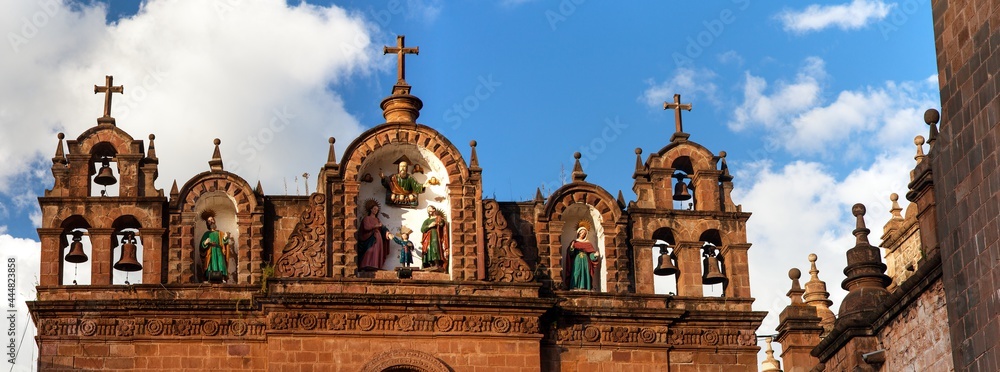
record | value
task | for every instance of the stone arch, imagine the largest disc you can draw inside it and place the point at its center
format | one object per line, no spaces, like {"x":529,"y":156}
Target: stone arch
{"x":713,"y":236}
{"x":586,"y":193}
{"x":74,"y":221}
{"x":698,"y":157}
{"x":121,"y":141}
{"x":665,"y":234}
{"x":405,"y":360}
{"x":123,"y":223}
{"x":417,"y":134}
{"x":243,"y":221}
{"x":208,"y":182}
{"x":68,"y":225}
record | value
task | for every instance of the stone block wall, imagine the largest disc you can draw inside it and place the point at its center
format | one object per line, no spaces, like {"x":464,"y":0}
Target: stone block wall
{"x":967,"y":180}
{"x":920,"y":340}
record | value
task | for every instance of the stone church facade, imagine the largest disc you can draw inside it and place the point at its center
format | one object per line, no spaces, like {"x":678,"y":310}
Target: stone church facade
{"x":296,"y":297}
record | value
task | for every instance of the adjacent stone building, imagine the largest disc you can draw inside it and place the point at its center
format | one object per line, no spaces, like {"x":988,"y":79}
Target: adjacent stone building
{"x":296,"y":296}
{"x":938,"y":309}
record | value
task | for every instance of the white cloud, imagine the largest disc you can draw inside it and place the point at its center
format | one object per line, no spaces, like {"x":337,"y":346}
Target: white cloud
{"x":192,"y":71}
{"x":693,"y":83}
{"x":25,"y":254}
{"x":852,"y":16}
{"x":731,"y":57}
{"x":796,"y":118}
{"x":787,"y":98}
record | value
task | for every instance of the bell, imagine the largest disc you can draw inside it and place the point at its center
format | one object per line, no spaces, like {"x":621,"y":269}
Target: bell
{"x":104,"y":176}
{"x":76,"y":254}
{"x":127,"y":262}
{"x":681,"y":191}
{"x":666,"y":266}
{"x":713,"y":273}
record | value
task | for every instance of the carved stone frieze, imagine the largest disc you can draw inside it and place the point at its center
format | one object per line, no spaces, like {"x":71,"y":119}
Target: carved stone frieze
{"x":305,"y":253}
{"x":646,"y":335}
{"x":150,"y":328}
{"x":406,"y":323}
{"x":506,"y":261}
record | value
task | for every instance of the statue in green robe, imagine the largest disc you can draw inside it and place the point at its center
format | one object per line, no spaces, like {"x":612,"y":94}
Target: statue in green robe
{"x":581,"y":262}
{"x":435,"y":240}
{"x":215,"y":246}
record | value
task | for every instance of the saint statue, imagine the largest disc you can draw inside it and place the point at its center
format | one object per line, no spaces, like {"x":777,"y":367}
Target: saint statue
{"x":406,"y":250}
{"x":215,"y":246}
{"x":401,"y":188}
{"x":435,"y":241}
{"x":373,"y":245}
{"x":581,"y":261}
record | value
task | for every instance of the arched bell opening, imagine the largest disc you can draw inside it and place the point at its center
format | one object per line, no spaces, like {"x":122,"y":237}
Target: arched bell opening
{"x":713,"y":275}
{"x":75,"y":253}
{"x":103,"y":170}
{"x":126,"y":251}
{"x":682,"y":184}
{"x":575,"y":217}
{"x":665,"y":269}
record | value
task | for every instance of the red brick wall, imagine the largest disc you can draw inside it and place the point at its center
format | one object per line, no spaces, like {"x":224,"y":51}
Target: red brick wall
{"x":293,"y":353}
{"x":967,"y":183}
{"x":150,"y":356}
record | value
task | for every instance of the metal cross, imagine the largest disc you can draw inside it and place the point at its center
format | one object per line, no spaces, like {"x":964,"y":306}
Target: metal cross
{"x":107,"y":89}
{"x":401,"y":51}
{"x":677,"y":106}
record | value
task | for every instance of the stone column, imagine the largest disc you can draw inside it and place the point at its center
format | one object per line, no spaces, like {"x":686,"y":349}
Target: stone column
{"x":689,"y":267}
{"x":100,"y":258}
{"x":152,"y":254}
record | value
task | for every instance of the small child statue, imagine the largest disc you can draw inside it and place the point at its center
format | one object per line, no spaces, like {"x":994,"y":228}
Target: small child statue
{"x":406,"y":253}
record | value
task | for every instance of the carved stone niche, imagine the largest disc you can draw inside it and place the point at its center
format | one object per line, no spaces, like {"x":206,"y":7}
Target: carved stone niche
{"x":405,"y":360}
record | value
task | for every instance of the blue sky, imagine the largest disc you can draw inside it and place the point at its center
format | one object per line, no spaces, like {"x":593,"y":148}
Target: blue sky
{"x":815,"y":104}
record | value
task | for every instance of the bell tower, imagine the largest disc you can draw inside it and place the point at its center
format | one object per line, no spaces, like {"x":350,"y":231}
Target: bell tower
{"x":103,"y":202}
{"x":684,"y":212}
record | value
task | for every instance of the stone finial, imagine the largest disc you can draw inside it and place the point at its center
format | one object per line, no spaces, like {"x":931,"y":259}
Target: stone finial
{"x":151,"y":153}
{"x":174,"y":193}
{"x":216,"y":163}
{"x":640,"y":168}
{"x":474,"y":158}
{"x":60,"y":157}
{"x":621,"y":200}
{"x":817,"y":296}
{"x":896,"y":221}
{"x":919,"y":141}
{"x":896,"y":209}
{"x":331,"y":155}
{"x":538,"y":196}
{"x":860,"y":231}
{"x":724,"y":167}
{"x":770,"y":364}
{"x":866,"y":281}
{"x":259,"y":190}
{"x":931,"y":117}
{"x":795,"y":293}
{"x":578,"y":175}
